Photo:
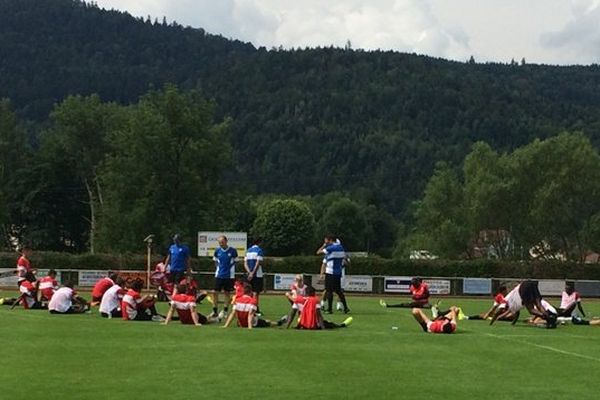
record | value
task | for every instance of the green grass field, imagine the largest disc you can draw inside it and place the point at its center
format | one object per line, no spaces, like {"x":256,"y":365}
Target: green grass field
{"x":86,"y":357}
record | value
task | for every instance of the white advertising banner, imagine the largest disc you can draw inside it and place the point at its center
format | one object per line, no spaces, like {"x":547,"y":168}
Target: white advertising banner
{"x":8,"y":277}
{"x":551,"y":287}
{"x":89,"y":278}
{"x":318,"y":285}
{"x":283,"y":281}
{"x":396,"y":284}
{"x":357,"y":283}
{"x":208,"y":242}
{"x":438,"y":286}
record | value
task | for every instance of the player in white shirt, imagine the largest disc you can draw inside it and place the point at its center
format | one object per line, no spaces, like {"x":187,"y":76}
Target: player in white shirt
{"x":525,"y":295}
{"x":66,"y":301}
{"x":569,"y":300}
{"x":110,"y":306}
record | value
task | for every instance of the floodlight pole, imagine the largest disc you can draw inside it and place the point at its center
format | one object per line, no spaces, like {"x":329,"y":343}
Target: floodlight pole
{"x":148,"y":240}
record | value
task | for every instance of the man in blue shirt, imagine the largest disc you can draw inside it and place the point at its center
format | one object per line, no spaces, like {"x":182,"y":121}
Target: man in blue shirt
{"x":253,"y":265}
{"x":179,"y":258}
{"x":331,"y":270}
{"x":225,"y":258}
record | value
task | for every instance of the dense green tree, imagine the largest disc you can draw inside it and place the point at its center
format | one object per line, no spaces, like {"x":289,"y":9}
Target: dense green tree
{"x":286,"y":226}
{"x":346,"y":219}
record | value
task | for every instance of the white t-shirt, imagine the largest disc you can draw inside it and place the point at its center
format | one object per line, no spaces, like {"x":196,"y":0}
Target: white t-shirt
{"x":62,"y":300}
{"x":513,"y":300}
{"x":567,"y":300}
{"x":111,"y":299}
{"x":548,"y":307}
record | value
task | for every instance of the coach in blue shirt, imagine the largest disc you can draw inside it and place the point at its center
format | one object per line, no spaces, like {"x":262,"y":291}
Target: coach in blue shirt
{"x":253,"y":263}
{"x":179,"y":258}
{"x":331,"y":270}
{"x":225,"y":258}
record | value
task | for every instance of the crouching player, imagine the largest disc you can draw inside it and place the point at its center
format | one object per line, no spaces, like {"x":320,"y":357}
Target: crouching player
{"x":66,"y":301}
{"x":524,"y":295}
{"x":245,"y":312}
{"x":442,"y":324}
{"x":110,"y":306}
{"x":185,"y":305}
{"x":101,"y":286}
{"x":134,"y":307}
{"x":310,"y":313}
{"x":499,"y":299}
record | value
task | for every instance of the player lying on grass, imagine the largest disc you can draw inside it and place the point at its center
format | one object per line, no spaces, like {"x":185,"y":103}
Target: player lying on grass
{"x":499,"y":299}
{"x":66,"y":301}
{"x":101,"y":286}
{"x":134,"y":307}
{"x":244,"y":311}
{"x":569,"y":300}
{"x":48,"y":286}
{"x":442,"y":324}
{"x":309,"y":307}
{"x":524,"y":295}
{"x":185,"y":305}
{"x":110,"y":306}
{"x":420,"y":296}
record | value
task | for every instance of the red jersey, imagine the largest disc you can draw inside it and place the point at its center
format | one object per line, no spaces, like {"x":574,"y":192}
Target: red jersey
{"x":27,"y":289}
{"x":420,"y":294}
{"x":437,"y":326}
{"x":23,"y":267}
{"x":184,"y":304}
{"x":308,"y":317}
{"x":244,"y":305}
{"x":129,"y":304}
{"x":48,"y":286}
{"x":499,"y":299}
{"x":101,"y":287}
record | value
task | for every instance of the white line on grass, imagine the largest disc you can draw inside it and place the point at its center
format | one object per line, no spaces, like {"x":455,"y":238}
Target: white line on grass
{"x":541,"y":346}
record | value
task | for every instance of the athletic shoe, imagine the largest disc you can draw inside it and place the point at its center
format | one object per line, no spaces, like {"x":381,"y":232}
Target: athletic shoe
{"x":461,"y":315}
{"x":382,"y":303}
{"x":434,"y":311}
{"x":339,"y":306}
{"x":348,"y":321}
{"x":282,"y":320}
{"x":322,"y":304}
{"x":222,"y":315}
{"x":157,"y":318}
{"x":209,"y":299}
{"x":212,"y":315}
{"x":1,"y":300}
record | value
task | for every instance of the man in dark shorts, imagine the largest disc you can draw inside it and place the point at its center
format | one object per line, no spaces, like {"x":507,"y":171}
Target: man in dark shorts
{"x":179,"y":258}
{"x":525,"y":295}
{"x":253,"y":266}
{"x":419,"y":292}
{"x":225,"y":258}
{"x":331,"y":271}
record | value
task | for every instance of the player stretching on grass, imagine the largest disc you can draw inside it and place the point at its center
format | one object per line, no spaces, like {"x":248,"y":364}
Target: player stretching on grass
{"x":499,"y":299}
{"x":110,"y":306}
{"x":524,"y":295}
{"x":48,"y":286}
{"x":420,"y":296}
{"x":331,"y":271}
{"x":66,"y":301}
{"x":225,"y":258}
{"x":185,"y":305}
{"x":253,"y":266}
{"x":134,"y":307}
{"x":310,"y":313}
{"x":101,"y":287}
{"x":442,"y":324}
{"x":569,"y":300}
{"x":245,"y":312}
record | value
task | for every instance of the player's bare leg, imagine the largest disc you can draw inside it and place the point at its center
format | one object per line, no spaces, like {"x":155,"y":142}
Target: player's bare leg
{"x":421,"y":318}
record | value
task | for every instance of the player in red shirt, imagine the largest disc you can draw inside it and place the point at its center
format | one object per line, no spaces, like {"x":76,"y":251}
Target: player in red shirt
{"x":245,"y":312}
{"x":185,"y":305}
{"x":443,"y":324}
{"x":48,"y":285}
{"x":101,"y":287}
{"x":28,"y":289}
{"x":499,"y":300}
{"x":310,"y":313}
{"x":24,"y":265}
{"x":420,"y":296}
{"x":134,"y":307}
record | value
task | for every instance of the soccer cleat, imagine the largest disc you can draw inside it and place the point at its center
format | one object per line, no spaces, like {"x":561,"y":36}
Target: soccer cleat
{"x":339,"y":306}
{"x":1,"y":300}
{"x":434,"y":311}
{"x":282,"y":320}
{"x":348,"y":321}
{"x":157,"y":318}
{"x":212,"y":315}
{"x":346,"y":311}
{"x":382,"y":303}
{"x":210,"y":300}
{"x":461,"y":315}
{"x":322,"y":304}
{"x":222,"y":315}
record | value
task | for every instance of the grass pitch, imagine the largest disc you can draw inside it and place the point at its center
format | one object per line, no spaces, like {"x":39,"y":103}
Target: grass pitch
{"x":45,"y":356}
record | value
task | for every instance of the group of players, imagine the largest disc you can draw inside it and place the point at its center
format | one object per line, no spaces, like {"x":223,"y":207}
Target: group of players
{"x":116,"y":299}
{"x":507,"y":306}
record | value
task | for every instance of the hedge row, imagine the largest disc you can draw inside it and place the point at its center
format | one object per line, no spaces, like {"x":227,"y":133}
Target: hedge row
{"x":308,"y":264}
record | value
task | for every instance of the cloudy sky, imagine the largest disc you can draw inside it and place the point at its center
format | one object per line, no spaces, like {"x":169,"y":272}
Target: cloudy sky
{"x":541,"y":31}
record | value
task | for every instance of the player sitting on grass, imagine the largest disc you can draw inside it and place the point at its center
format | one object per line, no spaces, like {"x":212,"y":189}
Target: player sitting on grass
{"x":499,"y":299}
{"x":524,"y":295}
{"x":134,"y":307}
{"x":547,"y":308}
{"x":311,"y":317}
{"x":28,"y":289}
{"x":569,"y":300}
{"x":66,"y":301}
{"x":185,"y":305}
{"x":443,"y":324}
{"x":101,"y":286}
{"x":110,"y":306}
{"x":48,"y":285}
{"x":420,"y":296}
{"x":245,"y":312}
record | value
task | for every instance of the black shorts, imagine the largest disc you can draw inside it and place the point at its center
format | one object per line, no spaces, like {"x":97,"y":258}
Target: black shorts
{"x":529,"y":291}
{"x":333,"y":283}
{"x":176,"y":277}
{"x":224,"y":284}
{"x":116,"y":313}
{"x":257,"y":284}
{"x":69,"y":311}
{"x":261,"y":323}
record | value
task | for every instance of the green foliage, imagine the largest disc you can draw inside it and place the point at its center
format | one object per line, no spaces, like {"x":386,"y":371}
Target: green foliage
{"x":346,"y":219}
{"x":286,"y":226}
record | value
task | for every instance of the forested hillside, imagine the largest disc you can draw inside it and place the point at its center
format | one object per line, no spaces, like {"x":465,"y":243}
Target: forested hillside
{"x":305,"y":121}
